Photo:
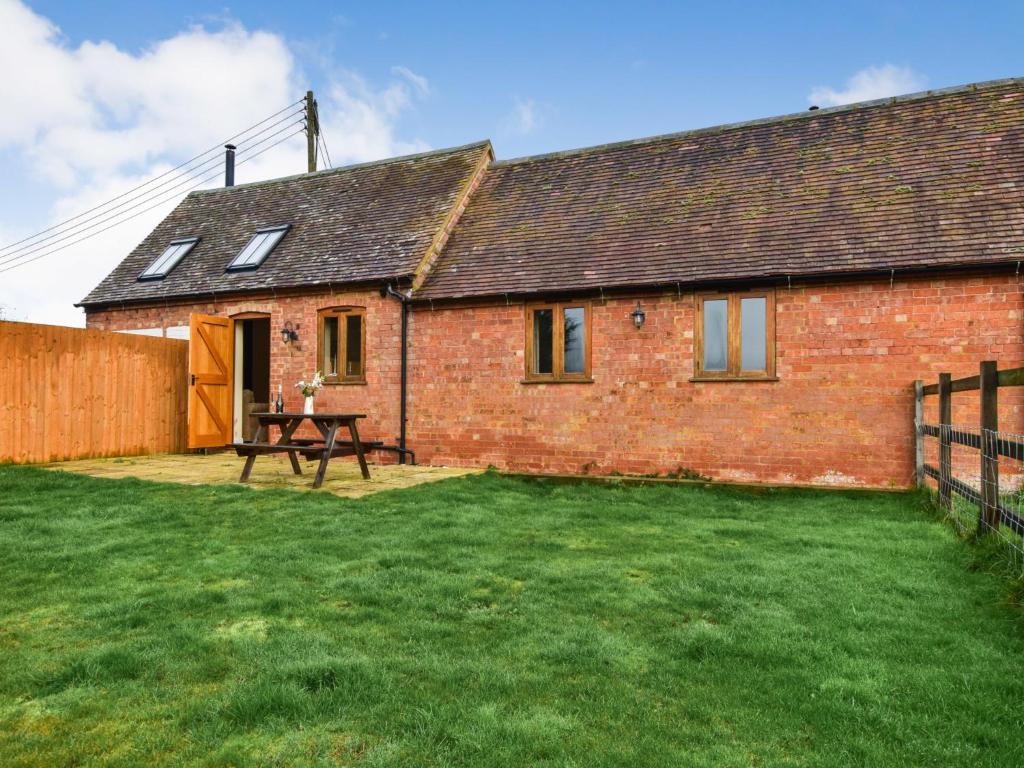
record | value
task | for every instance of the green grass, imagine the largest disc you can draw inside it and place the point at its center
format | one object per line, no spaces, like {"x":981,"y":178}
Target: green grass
{"x":488,"y":621}
{"x":999,"y":552}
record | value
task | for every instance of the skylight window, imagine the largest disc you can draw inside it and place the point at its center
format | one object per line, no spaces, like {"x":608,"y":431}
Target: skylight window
{"x":257,"y":249}
{"x":168,"y":260}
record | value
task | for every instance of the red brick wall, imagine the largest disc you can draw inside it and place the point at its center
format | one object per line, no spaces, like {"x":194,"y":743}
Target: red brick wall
{"x":840,"y":414}
{"x":378,"y":398}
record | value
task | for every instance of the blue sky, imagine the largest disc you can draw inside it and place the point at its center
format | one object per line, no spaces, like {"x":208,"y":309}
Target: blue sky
{"x":598,"y":72}
{"x":106,"y":97}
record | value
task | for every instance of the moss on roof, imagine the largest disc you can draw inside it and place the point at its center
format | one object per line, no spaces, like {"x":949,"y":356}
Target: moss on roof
{"x":915,"y":182}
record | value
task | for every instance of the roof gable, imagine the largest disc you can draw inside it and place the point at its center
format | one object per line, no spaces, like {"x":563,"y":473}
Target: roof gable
{"x":362,"y":223}
{"x":929,"y":180}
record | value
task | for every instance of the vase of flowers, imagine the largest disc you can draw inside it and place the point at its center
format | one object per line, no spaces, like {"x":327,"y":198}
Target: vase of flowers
{"x":309,"y":390}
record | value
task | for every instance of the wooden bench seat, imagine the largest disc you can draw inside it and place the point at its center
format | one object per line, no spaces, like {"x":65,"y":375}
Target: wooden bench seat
{"x":368,"y":445}
{"x":259,"y":449}
{"x":311,"y":449}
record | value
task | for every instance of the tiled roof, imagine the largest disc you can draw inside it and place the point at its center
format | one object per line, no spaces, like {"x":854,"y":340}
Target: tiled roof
{"x":925,"y":181}
{"x":359,"y":223}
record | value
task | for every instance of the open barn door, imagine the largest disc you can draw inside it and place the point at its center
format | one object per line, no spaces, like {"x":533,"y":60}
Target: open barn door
{"x":210,"y":358}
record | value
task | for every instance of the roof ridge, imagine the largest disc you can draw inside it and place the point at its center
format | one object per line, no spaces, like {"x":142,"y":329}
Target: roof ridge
{"x":354,"y":166}
{"x":804,"y":115}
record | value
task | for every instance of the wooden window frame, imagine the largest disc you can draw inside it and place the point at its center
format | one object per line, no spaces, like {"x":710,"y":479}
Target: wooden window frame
{"x":734,"y":342}
{"x":341,"y":313}
{"x":558,"y":374}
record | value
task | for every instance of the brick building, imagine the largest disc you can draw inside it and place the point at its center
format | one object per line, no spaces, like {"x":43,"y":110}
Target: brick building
{"x":749,"y":302}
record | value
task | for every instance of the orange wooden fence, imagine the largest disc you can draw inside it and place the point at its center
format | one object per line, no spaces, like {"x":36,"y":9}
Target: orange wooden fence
{"x":68,"y":393}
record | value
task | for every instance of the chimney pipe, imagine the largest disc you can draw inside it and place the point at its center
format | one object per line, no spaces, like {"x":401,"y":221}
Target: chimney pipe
{"x":229,"y":165}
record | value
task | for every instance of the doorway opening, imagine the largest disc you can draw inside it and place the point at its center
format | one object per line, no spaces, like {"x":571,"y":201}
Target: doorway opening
{"x":252,"y":372}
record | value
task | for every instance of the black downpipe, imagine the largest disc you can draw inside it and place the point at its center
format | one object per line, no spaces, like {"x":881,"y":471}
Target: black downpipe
{"x":388,"y":290}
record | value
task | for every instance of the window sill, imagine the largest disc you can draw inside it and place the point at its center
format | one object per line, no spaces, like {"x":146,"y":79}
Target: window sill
{"x":343,"y":383}
{"x":732,"y":379}
{"x":556,"y":381}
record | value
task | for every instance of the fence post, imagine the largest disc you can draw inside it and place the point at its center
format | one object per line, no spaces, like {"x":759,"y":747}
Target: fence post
{"x":989,"y":507}
{"x":945,"y":455}
{"x":918,"y":434}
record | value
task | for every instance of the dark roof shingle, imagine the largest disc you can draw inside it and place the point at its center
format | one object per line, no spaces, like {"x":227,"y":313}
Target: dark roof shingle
{"x":928,"y":180}
{"x":366,"y":222}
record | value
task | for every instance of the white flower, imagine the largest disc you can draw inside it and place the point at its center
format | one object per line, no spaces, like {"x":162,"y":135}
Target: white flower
{"x":310,"y":388}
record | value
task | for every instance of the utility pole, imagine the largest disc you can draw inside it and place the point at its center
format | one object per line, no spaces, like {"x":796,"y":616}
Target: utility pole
{"x":312,"y":131}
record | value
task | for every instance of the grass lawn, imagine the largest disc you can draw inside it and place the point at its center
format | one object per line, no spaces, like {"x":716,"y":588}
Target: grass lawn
{"x":487,"y":621}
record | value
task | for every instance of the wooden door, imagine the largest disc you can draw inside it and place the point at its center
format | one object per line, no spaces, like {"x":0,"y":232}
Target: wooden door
{"x":210,"y":400}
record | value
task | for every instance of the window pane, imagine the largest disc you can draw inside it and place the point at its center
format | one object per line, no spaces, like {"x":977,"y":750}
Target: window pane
{"x":542,"y":340}
{"x":154,"y":267}
{"x":269,"y":242}
{"x":257,"y":249}
{"x":354,"y":345}
{"x":716,"y":335}
{"x":753,"y":334}
{"x":258,"y":244}
{"x":250,"y":248}
{"x":574,"y":340}
{"x":168,"y":260}
{"x":173,"y":256}
{"x":330,"y":361}
{"x":159,"y":266}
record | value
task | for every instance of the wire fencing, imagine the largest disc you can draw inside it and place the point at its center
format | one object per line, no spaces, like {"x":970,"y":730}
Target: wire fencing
{"x":1005,"y":451}
{"x":979,"y":470}
{"x":980,"y":501}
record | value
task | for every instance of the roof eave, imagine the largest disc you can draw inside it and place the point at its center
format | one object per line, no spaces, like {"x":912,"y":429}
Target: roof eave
{"x":374,"y":283}
{"x":703,"y":283}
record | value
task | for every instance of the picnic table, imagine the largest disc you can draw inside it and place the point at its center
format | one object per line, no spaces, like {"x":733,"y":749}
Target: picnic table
{"x":324,"y":449}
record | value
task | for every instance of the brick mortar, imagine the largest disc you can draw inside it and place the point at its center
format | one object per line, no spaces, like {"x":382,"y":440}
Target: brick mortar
{"x":840,"y":415}
{"x":378,"y":398}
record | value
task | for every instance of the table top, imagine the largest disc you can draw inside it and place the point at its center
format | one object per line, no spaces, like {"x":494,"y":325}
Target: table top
{"x":269,"y":416}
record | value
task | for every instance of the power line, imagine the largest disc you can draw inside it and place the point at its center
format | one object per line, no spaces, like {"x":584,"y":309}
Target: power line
{"x":155,"y":178}
{"x":38,"y":240}
{"x":155,"y":205}
{"x":324,"y":153}
{"x":320,"y":155}
{"x":114,"y":213}
{"x":181,"y":180}
{"x":323,"y":140}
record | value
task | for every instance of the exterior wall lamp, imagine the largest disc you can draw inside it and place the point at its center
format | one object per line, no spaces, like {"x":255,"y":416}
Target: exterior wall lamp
{"x":639,"y":316}
{"x":290,"y":333}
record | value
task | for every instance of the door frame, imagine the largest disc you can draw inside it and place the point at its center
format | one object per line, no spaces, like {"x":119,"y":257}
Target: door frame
{"x":239,"y":363}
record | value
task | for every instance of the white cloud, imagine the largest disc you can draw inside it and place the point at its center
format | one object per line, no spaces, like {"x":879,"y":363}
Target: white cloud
{"x":870,"y":83}
{"x":95,"y":120}
{"x":420,"y":83}
{"x":365,"y":118}
{"x":524,"y":117}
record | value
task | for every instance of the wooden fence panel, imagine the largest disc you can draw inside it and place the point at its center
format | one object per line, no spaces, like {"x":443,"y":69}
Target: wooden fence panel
{"x":69,"y":393}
